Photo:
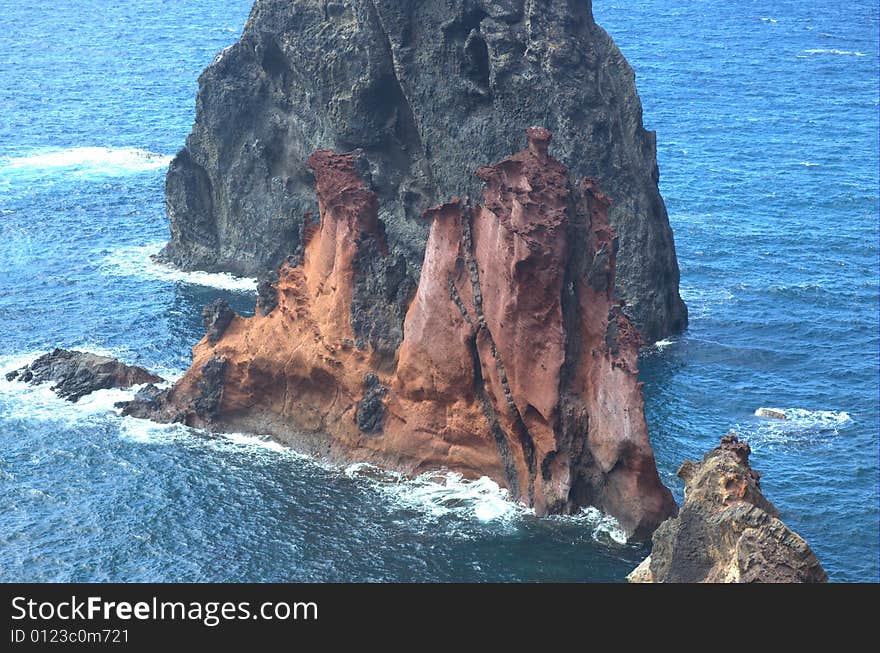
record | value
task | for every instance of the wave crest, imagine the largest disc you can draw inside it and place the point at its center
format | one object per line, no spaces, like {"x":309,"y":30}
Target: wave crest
{"x":438,"y":494}
{"x":85,"y":161}
{"x":138,"y":262}
{"x":801,"y":426}
{"x":832,"y":51}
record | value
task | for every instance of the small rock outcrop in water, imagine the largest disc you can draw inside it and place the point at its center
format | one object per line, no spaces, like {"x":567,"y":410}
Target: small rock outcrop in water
{"x":516,"y":361}
{"x":429,"y":91}
{"x":773,"y":413}
{"x":76,"y":373}
{"x":727,"y":531}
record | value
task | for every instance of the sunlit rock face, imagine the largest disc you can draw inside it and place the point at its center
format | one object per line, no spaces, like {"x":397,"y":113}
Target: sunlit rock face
{"x":727,"y":530}
{"x":515,"y":360}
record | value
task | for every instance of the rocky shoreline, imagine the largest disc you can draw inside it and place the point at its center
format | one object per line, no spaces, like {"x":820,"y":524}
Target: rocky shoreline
{"x":726,"y":531}
{"x":516,"y":363}
{"x":515,"y":360}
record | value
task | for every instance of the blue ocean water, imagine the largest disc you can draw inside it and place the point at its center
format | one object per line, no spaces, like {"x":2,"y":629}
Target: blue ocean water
{"x":767,"y":123}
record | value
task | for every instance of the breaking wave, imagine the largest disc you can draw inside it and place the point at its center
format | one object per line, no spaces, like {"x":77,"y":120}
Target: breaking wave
{"x":39,"y":402}
{"x":137,"y":261}
{"x":660,"y":345}
{"x":85,"y":161}
{"x":605,"y":528}
{"x":441,"y":494}
{"x":833,"y":52}
{"x":434,"y":495}
{"x":801,"y":426}
{"x":438,"y":494}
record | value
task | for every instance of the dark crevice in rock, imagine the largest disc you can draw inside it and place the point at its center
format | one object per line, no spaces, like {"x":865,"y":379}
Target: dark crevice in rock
{"x":406,"y":129}
{"x":370,"y":415}
{"x":456,"y":299}
{"x":216,"y":317}
{"x":477,"y":62}
{"x":480,"y":387}
{"x":267,"y":293}
{"x":492,"y":418}
{"x":522,"y":431}
{"x":272,"y":59}
{"x":380,"y":297}
{"x":571,"y":430}
{"x":207,"y":404}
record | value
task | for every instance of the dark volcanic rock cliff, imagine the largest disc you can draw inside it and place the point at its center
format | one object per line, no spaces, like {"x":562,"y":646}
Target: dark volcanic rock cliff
{"x":429,"y":91}
{"x":727,"y":531}
{"x":515,"y":360}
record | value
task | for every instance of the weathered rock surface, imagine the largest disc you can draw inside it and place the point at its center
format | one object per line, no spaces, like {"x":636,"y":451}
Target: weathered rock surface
{"x":76,"y":373}
{"x":428,"y":91}
{"x":216,"y":316}
{"x":516,"y":361}
{"x":727,"y":531}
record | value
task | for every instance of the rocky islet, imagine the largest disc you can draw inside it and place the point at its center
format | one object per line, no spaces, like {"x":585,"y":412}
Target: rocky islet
{"x":428,"y":92}
{"x":516,"y":361}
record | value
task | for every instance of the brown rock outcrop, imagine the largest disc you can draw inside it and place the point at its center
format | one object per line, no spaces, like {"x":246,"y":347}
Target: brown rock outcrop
{"x":727,"y":531}
{"x":516,"y":362}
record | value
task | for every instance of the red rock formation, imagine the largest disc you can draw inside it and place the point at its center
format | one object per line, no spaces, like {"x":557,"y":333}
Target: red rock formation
{"x":516,"y":362}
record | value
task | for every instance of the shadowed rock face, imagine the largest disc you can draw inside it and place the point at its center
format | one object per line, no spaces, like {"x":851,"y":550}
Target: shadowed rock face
{"x":515,"y":362}
{"x":428,"y":91}
{"x":216,"y":316}
{"x":76,"y":374}
{"x":727,"y":531}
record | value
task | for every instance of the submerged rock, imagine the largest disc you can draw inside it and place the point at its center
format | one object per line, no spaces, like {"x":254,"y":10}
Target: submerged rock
{"x":727,"y":531}
{"x":428,"y":91}
{"x":76,"y":373}
{"x":516,"y":361}
{"x":773,"y":413}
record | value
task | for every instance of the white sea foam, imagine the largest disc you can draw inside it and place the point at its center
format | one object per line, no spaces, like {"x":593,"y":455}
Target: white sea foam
{"x":85,"y":161}
{"x":433,"y":495}
{"x":39,"y":402}
{"x":822,"y":419}
{"x":606,"y":529}
{"x":660,"y":345}
{"x":444,"y":493}
{"x":833,"y":52}
{"x":437,"y":494}
{"x":137,"y":261}
{"x":800,"y":426}
{"x":221,"y":54}
{"x":809,"y":164}
{"x":144,"y":431}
